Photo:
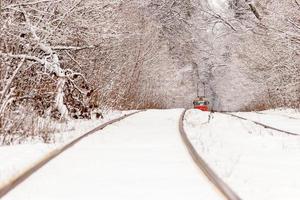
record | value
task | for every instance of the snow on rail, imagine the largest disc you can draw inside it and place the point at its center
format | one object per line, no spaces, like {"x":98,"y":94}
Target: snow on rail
{"x":220,"y":185}
{"x":280,"y":115}
{"x":11,"y":184}
{"x":263,"y":124}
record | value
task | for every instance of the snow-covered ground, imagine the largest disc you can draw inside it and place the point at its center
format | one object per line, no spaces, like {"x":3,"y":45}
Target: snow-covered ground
{"x":143,"y":157}
{"x":257,"y":163}
{"x":288,"y":120}
{"x":15,"y":159}
{"x":140,"y":157}
{"x":292,"y":113}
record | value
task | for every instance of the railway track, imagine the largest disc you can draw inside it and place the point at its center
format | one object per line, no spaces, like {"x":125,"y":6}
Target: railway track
{"x":217,"y":182}
{"x":6,"y":188}
{"x":262,"y":124}
{"x":219,"y":185}
{"x":281,"y":115}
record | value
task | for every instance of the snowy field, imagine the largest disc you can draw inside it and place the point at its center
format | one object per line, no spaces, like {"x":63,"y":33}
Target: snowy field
{"x":140,"y":157}
{"x":257,"y":163}
{"x":288,"y":120}
{"x":16,"y":158}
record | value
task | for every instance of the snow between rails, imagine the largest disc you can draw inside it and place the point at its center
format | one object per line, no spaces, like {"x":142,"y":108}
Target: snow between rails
{"x":220,"y":185}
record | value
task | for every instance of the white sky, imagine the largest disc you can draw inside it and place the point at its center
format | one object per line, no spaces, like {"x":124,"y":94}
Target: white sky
{"x":218,"y":4}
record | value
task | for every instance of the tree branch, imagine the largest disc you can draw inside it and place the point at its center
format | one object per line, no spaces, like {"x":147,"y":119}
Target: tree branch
{"x":297,"y":3}
{"x":29,"y":3}
{"x":219,"y":17}
{"x":7,"y":87}
{"x":253,"y":9}
{"x":71,"y":47}
{"x":255,"y":12}
{"x":22,"y":56}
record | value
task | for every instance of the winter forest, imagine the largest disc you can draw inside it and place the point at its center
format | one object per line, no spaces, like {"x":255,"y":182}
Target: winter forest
{"x":70,"y":59}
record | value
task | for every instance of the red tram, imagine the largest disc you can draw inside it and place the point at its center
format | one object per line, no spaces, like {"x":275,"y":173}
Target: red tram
{"x":201,"y":103}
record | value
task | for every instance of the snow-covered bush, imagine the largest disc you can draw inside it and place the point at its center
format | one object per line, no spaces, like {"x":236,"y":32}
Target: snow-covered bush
{"x":65,"y":59}
{"x":18,"y":126}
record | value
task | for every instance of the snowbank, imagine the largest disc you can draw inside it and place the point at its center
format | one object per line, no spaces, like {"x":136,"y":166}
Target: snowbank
{"x":286,"y":119}
{"x":15,"y":159}
{"x":257,"y":163}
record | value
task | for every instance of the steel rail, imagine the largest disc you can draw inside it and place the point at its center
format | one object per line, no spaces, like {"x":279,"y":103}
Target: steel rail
{"x":262,"y":124}
{"x":15,"y":181}
{"x":219,"y":184}
{"x":280,"y":115}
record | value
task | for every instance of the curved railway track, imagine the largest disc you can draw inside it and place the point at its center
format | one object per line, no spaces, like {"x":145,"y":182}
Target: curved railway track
{"x":281,"y":115}
{"x":223,"y":189}
{"x":262,"y":124}
{"x":219,"y":184}
{"x":6,"y":188}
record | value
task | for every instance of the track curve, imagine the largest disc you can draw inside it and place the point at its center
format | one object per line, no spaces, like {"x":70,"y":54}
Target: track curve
{"x":219,"y":184}
{"x":281,"y":115}
{"x":263,"y":125}
{"x":142,"y":157}
{"x":6,"y":188}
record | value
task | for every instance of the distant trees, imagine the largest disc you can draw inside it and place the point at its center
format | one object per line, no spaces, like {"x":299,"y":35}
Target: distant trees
{"x":252,"y":53}
{"x":270,"y":51}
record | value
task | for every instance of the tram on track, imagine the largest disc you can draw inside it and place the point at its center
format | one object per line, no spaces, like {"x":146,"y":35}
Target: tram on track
{"x":201,"y":103}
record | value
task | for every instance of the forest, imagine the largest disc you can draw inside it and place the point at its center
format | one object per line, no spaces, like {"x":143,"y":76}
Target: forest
{"x":71,"y":59}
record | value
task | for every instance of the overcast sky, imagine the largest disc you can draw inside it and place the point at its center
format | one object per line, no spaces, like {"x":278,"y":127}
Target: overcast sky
{"x":218,"y":4}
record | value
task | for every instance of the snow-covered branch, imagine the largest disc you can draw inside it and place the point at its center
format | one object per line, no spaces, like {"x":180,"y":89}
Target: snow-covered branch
{"x":30,"y":3}
{"x":71,"y":47}
{"x":23,"y":56}
{"x":5,"y":94}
